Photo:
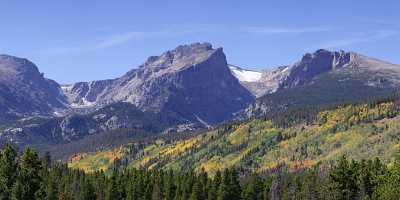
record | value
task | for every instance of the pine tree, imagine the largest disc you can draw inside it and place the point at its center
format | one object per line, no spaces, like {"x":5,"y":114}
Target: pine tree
{"x":223,"y":189}
{"x":113,"y":190}
{"x":212,"y":190}
{"x":157,"y":193}
{"x":234,"y":185}
{"x":28,"y":177}
{"x":197,"y":191}
{"x":345,"y":178}
{"x":18,"y":191}
{"x":8,"y":166}
{"x":169,"y":186}
{"x":46,"y":160}
{"x":229,"y":188}
{"x":253,"y":190}
{"x":86,"y":191}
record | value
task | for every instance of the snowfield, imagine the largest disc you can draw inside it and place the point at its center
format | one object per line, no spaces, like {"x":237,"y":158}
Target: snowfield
{"x":245,"y":75}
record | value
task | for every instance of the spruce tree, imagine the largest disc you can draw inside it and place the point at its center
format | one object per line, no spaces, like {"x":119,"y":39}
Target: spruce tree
{"x":223,"y":189}
{"x":197,"y":191}
{"x":28,"y":177}
{"x":8,"y":167}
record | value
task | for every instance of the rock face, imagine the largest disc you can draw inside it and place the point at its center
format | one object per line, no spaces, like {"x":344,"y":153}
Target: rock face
{"x":24,"y":90}
{"x":312,"y":65}
{"x":191,"y":80}
{"x":324,"y":78}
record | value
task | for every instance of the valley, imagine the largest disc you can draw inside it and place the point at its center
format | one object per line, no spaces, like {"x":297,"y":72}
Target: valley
{"x":200,"y":100}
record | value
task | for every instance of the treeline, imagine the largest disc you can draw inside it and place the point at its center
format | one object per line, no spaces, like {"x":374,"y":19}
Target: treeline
{"x":29,"y":176}
{"x":309,"y":114}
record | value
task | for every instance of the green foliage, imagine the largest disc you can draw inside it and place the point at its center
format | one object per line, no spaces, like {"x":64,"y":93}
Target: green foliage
{"x":325,"y":155}
{"x":8,"y":165}
{"x":257,"y":145}
{"x":344,"y":179}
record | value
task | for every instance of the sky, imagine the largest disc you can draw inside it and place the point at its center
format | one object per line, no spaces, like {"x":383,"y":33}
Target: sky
{"x":77,"y":40}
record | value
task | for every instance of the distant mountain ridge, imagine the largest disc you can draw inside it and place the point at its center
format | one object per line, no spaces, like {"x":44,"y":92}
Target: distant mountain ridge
{"x":162,"y":81}
{"x":320,"y":62}
{"x":322,"y":78}
{"x":183,"y":89}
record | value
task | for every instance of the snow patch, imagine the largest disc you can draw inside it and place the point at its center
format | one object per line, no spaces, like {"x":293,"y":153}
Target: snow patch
{"x":286,"y":69}
{"x":245,"y":75}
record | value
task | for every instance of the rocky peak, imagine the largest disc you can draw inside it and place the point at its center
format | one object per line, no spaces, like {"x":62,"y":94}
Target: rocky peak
{"x":313,"y":64}
{"x":25,"y":91}
{"x":192,"y":80}
{"x":12,"y":68}
{"x":322,"y":58}
{"x":181,"y":56}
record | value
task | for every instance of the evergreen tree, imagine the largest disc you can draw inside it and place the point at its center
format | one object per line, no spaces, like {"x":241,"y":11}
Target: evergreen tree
{"x":197,"y":191}
{"x":229,"y":187}
{"x":113,"y":190}
{"x":212,"y":190}
{"x":234,"y":185}
{"x":223,"y":189}
{"x":157,"y":193}
{"x":368,"y":179}
{"x":253,"y":190}
{"x":8,"y":167}
{"x":345,"y":178}
{"x":388,"y":187}
{"x":18,"y":191}
{"x":28,"y":179}
{"x":169,"y":186}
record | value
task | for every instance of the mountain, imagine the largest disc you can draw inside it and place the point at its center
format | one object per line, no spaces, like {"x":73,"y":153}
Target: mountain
{"x":184,"y":89}
{"x":323,"y":78}
{"x":193,"y":81}
{"x":25,"y":92}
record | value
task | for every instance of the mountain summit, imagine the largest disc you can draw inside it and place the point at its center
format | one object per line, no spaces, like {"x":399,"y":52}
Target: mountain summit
{"x":323,"y":78}
{"x":24,"y":90}
{"x":193,"y":81}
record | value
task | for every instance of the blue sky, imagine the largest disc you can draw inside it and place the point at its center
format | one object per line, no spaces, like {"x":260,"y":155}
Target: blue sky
{"x":79,"y":40}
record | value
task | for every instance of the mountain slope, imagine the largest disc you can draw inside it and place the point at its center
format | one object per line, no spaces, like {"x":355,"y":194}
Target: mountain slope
{"x":117,"y":117}
{"x":185,"y":89}
{"x":191,"y":80}
{"x":359,"y":131}
{"x":327,"y":78}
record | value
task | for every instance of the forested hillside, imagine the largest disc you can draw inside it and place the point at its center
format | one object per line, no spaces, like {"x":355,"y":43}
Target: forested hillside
{"x":29,"y":177}
{"x":297,"y":139}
